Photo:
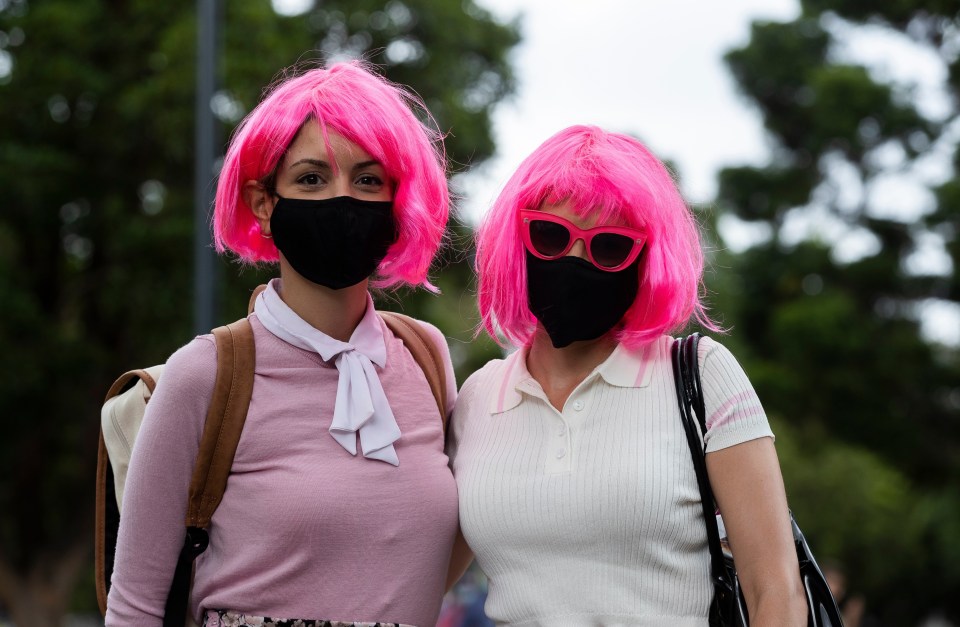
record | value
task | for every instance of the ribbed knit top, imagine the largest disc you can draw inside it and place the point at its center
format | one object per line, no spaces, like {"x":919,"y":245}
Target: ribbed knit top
{"x":305,"y":529}
{"x":591,"y":515}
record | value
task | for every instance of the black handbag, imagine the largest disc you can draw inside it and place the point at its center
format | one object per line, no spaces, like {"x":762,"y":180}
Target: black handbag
{"x":729,"y":609}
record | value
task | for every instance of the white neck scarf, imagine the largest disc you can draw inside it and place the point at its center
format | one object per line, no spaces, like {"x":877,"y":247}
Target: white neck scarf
{"x":361,"y":405}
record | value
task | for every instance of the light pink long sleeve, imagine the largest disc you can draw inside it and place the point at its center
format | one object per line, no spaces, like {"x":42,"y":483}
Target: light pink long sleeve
{"x":305,"y":530}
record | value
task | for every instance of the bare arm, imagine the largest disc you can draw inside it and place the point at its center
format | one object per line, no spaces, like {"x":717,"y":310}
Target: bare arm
{"x":748,"y":486}
{"x":460,"y":559}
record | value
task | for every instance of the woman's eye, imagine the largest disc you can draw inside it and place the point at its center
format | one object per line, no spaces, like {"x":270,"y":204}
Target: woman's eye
{"x":369,"y":180}
{"x":310,"y":179}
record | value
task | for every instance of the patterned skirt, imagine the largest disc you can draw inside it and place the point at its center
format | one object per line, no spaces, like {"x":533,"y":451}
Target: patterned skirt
{"x":224,"y":618}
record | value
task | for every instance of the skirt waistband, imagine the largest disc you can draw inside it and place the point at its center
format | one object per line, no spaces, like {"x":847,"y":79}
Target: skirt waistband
{"x":226,"y":618}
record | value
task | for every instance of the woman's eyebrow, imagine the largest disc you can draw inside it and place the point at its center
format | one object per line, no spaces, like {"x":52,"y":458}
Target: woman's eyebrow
{"x":319,"y":163}
{"x":366,"y":164}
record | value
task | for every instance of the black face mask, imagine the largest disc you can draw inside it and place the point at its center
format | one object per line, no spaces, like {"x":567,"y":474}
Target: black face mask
{"x":574,"y":300}
{"x":335,"y":242}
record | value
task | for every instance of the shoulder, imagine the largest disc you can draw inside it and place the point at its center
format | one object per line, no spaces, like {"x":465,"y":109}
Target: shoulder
{"x":489,"y":373}
{"x":709,"y":345}
{"x":423,"y":328}
{"x":178,"y":407}
{"x":715,"y":358}
{"x":436,"y":336}
{"x":191,"y":371}
{"x":474,"y":401}
{"x":734,"y":413}
{"x":708,"y":349}
{"x":479,"y":385}
{"x":439,"y":349}
{"x":194,"y":356}
{"x":720,"y":370}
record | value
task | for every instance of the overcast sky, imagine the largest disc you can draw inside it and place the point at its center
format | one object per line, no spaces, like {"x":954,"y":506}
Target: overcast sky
{"x":646,"y":67}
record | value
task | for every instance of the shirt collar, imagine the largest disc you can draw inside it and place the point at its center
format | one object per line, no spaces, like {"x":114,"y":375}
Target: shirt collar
{"x":361,"y":406}
{"x":625,"y":367}
{"x":366,"y":338}
{"x":513,"y":371}
{"x":630,"y":368}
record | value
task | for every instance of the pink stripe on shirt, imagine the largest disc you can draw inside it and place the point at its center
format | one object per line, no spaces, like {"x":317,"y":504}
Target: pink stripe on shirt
{"x":724,"y":413}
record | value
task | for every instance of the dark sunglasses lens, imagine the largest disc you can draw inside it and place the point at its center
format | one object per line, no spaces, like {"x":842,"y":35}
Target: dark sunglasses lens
{"x":548,"y":238}
{"x":610,"y":249}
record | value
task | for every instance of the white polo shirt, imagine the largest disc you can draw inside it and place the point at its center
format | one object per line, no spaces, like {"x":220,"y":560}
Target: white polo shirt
{"x":591,"y":515}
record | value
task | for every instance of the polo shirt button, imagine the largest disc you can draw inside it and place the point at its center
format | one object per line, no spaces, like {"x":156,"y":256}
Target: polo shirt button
{"x":561,"y":452}
{"x":562,"y":430}
{"x":578,"y":405}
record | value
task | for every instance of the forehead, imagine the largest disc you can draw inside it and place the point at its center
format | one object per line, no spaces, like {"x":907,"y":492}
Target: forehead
{"x":309,"y":143}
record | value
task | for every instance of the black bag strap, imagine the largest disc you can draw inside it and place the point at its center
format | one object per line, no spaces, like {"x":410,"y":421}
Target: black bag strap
{"x":821,"y":605}
{"x":686,"y":375}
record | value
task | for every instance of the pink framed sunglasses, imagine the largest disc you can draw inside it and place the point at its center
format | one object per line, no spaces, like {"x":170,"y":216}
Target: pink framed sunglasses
{"x":610,"y":248}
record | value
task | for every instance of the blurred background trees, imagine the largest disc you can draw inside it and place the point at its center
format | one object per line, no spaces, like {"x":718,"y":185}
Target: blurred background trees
{"x":96,"y":168}
{"x":831,"y":309}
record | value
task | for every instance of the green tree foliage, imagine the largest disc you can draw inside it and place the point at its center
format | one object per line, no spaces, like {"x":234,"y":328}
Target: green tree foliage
{"x":96,"y":149}
{"x":867,"y":409}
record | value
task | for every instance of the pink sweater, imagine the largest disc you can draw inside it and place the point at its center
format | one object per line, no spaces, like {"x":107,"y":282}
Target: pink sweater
{"x":305,"y":530}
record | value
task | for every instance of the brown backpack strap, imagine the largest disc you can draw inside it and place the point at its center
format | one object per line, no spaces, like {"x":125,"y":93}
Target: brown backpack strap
{"x":126,"y":379}
{"x":100,"y":541}
{"x":253,"y":297}
{"x":236,"y":358}
{"x":228,"y":411}
{"x":424,"y":352}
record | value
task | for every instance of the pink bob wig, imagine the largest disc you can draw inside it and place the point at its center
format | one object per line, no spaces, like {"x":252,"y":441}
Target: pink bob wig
{"x":614,"y":179}
{"x":377,"y":115}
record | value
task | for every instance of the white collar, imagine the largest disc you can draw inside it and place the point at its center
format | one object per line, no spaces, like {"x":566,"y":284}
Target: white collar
{"x":623,"y":368}
{"x":361,"y":405}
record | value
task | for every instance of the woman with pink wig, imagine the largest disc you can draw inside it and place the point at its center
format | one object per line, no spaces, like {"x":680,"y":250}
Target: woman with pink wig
{"x":577,"y":491}
{"x":340,"y":505}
